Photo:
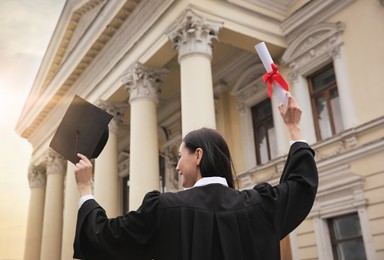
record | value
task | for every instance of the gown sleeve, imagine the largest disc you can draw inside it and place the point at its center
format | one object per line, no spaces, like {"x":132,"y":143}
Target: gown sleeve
{"x":289,"y":202}
{"x":126,"y":237}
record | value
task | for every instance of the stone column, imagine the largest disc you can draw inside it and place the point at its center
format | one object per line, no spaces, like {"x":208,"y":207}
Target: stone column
{"x":300,"y":91}
{"x":280,"y":129}
{"x":71,"y":205}
{"x":37,"y":182}
{"x":53,"y":210}
{"x":106,"y":180}
{"x":143,"y":84}
{"x":344,"y":88}
{"x":192,"y":36}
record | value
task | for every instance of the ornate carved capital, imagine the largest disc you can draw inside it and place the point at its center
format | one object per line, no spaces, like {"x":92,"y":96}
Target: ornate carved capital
{"x":194,"y":34}
{"x":56,"y":164}
{"x":117,"y":111}
{"x":37,"y":177}
{"x":144,"y":82}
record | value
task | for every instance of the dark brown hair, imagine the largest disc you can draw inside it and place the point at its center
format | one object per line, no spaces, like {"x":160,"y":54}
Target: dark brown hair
{"x":216,"y":160}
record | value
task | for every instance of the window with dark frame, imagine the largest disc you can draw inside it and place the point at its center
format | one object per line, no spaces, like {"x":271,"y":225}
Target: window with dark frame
{"x":264,"y":132}
{"x":346,"y":238}
{"x":325,"y":103}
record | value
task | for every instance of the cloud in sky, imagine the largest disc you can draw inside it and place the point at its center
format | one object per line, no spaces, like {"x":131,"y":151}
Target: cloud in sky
{"x":26,"y":25}
{"x":26,"y":29}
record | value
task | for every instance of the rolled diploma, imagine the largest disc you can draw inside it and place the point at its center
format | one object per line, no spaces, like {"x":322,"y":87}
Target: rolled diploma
{"x":266,"y":59}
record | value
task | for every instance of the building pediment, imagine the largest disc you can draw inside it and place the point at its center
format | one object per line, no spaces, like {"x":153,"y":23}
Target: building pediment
{"x":310,"y":40}
{"x":79,"y":27}
{"x":78,"y":40}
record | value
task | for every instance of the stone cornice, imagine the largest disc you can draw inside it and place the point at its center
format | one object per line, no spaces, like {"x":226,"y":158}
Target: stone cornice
{"x":280,"y":7}
{"x":312,"y":13}
{"x":87,"y":49}
{"x":347,"y":150}
{"x":317,"y":44}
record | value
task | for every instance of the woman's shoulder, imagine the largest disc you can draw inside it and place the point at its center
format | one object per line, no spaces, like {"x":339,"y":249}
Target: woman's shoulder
{"x":212,"y":196}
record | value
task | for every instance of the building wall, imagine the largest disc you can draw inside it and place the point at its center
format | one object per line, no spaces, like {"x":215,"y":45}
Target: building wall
{"x":350,"y":163}
{"x":363,"y":35}
{"x":364,"y":59}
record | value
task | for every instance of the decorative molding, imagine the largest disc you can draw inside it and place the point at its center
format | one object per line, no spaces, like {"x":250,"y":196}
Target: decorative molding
{"x":51,"y":89}
{"x":37,"y":177}
{"x":78,"y":24}
{"x":278,"y":6}
{"x":229,"y":72}
{"x":314,"y":36}
{"x":340,"y":192}
{"x":314,"y":12}
{"x":194,"y":34}
{"x":81,"y":20}
{"x":272,"y":169}
{"x":332,"y":163}
{"x":56,"y":164}
{"x":249,"y":87}
{"x":144,"y":82}
{"x":316,"y":45}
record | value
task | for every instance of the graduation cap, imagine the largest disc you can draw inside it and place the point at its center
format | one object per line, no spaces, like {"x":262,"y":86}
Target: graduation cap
{"x":84,"y":129}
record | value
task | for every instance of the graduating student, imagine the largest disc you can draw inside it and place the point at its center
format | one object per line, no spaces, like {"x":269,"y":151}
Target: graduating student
{"x":211,"y":220}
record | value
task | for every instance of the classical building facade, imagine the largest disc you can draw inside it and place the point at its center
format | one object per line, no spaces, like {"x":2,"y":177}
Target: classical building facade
{"x":165,"y":67}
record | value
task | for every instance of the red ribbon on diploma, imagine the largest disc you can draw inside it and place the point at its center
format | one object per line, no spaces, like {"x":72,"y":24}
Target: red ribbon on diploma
{"x":272,"y":76}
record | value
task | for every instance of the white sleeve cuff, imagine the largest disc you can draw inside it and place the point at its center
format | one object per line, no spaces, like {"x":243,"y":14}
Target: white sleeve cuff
{"x":85,"y":198}
{"x":292,"y":142}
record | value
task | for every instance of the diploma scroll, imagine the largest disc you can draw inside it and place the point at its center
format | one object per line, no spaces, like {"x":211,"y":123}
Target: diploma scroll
{"x":276,"y":83}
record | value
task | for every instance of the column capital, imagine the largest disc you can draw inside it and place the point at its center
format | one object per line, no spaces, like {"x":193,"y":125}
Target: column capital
{"x":117,"y":111}
{"x":56,"y":164}
{"x":194,"y":34}
{"x":143,"y":82}
{"x":37,"y":176}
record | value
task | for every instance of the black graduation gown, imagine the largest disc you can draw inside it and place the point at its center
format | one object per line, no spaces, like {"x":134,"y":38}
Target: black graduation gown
{"x":207,"y":222}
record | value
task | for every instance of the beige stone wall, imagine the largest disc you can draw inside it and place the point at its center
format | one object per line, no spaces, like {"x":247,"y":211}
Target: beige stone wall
{"x":364,"y":58}
{"x":363,"y":43}
{"x":306,"y":240}
{"x":372,"y":170}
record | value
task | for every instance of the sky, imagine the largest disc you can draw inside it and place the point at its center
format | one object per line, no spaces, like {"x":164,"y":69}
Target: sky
{"x":26,"y":29}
